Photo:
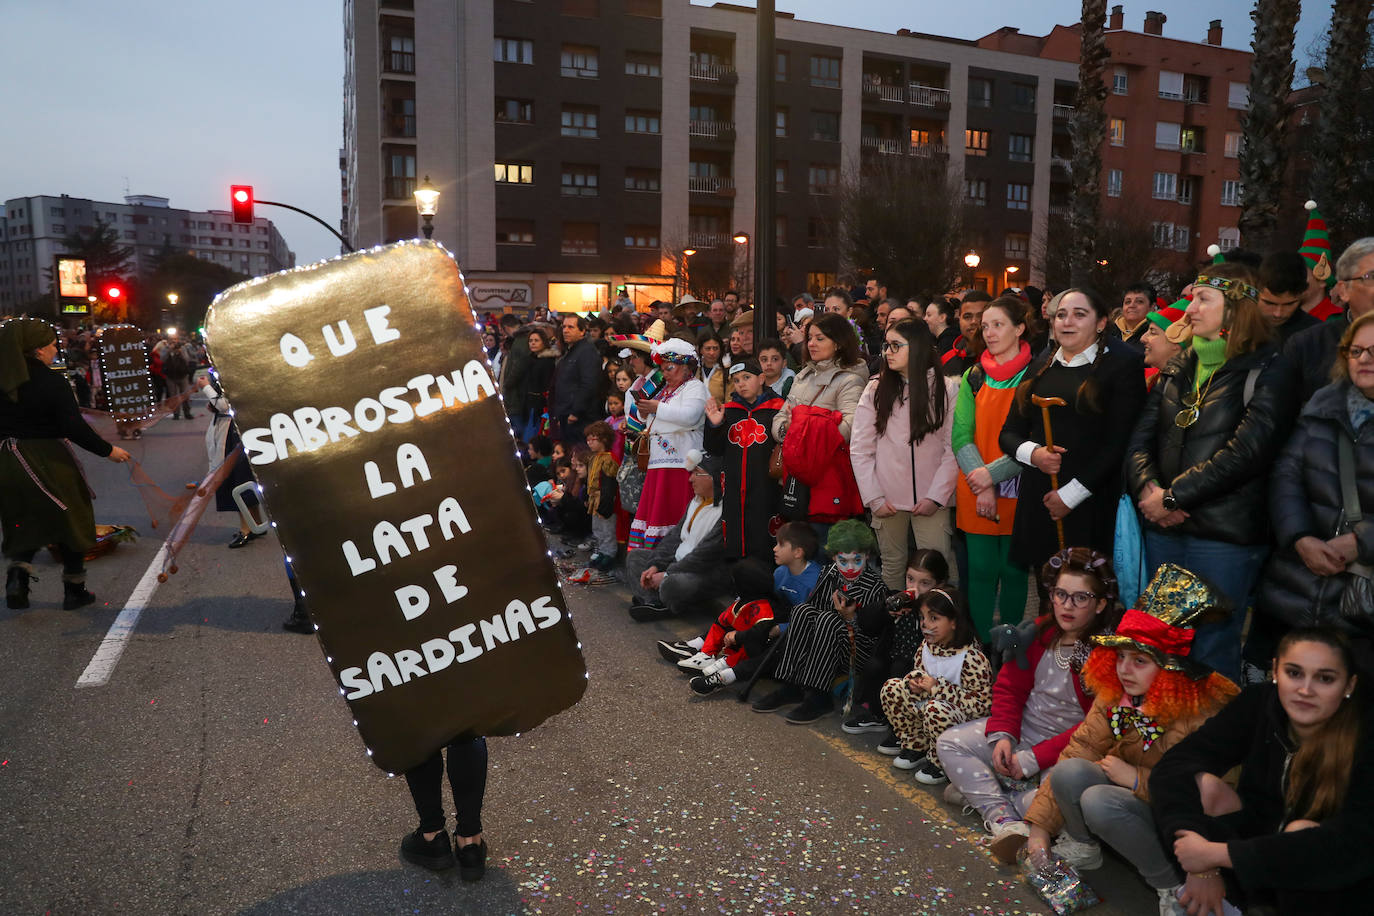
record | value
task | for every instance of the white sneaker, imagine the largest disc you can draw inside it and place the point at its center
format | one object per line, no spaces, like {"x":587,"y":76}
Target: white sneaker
{"x":1008,"y":837}
{"x":697,"y":662}
{"x":715,"y":667}
{"x":1084,"y":856}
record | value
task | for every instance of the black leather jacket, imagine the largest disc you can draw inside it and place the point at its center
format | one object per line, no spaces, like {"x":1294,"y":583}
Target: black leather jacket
{"x":1218,"y":468}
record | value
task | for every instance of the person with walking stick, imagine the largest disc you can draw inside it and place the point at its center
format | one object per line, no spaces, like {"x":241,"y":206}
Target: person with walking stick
{"x":1069,"y":425}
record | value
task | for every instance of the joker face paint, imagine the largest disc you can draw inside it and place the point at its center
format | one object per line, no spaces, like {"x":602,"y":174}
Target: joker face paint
{"x":851,"y":565}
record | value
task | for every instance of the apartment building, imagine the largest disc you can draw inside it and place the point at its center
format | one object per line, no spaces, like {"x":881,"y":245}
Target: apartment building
{"x":579,"y":145}
{"x":32,"y":230}
{"x":1174,"y":134}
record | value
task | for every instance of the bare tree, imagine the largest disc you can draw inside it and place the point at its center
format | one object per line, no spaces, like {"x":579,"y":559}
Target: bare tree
{"x":1126,"y":250}
{"x":1264,"y":156}
{"x":901,"y":217}
{"x":1089,"y":131}
{"x":1340,"y":160}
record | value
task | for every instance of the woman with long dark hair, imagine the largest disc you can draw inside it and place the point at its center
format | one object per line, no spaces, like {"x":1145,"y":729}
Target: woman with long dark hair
{"x":941,"y":318}
{"x":1102,"y":384}
{"x":537,"y":380}
{"x":900,"y":448}
{"x":1295,"y":830}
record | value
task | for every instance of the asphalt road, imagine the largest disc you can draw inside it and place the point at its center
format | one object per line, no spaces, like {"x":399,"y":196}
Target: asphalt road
{"x":218,"y":770}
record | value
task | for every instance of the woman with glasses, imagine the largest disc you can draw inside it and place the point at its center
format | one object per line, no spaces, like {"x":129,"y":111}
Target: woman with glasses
{"x":900,"y":448}
{"x":1199,"y":458}
{"x":1319,"y":547}
{"x":988,"y":485}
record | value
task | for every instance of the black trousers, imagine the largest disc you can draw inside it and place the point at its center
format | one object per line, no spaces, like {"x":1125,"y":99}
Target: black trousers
{"x":467,"y":778}
{"x":73,"y":561}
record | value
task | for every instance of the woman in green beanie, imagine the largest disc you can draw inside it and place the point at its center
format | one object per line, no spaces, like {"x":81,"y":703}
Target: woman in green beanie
{"x":44,"y":498}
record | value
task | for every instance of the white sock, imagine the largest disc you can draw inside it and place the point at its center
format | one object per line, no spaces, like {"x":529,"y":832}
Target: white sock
{"x":696,"y":643}
{"x":727,"y":676}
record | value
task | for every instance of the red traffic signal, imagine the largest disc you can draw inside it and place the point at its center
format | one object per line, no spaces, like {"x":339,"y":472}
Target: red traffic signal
{"x":114,"y":292}
{"x":241,"y":202}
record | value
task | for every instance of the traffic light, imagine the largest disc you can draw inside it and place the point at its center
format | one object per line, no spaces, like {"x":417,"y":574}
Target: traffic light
{"x":114,"y":292}
{"x":241,"y":202}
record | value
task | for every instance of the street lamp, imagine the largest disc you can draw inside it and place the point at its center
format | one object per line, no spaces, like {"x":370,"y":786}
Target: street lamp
{"x":684,"y":265}
{"x":427,"y":203}
{"x":742,"y":238}
{"x":172,"y":299}
{"x":972,"y":260}
{"x":1011,"y":273}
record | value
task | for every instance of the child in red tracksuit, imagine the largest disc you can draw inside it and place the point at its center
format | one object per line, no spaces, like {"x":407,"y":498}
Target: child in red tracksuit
{"x":721,"y":653}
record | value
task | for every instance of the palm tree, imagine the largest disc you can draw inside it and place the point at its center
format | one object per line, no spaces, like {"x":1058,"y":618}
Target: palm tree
{"x":1264,"y":156}
{"x":1335,"y":160}
{"x":1089,"y":131}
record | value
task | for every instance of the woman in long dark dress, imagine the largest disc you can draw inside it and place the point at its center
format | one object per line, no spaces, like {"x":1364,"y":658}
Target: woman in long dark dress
{"x":1102,"y":382}
{"x":44,"y":498}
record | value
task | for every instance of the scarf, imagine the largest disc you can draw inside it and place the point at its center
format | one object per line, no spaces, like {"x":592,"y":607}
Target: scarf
{"x":1005,"y":372}
{"x":1210,"y":356}
{"x":18,"y":338}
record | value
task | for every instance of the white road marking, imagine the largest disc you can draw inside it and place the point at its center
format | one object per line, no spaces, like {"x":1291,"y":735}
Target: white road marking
{"x":102,"y":665}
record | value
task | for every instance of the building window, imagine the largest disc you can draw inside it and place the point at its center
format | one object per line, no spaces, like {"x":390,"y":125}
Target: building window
{"x":1018,"y":197}
{"x":825,"y":125}
{"x":823,"y":179}
{"x":817,"y":234}
{"x":780,"y":122}
{"x":1168,"y":135}
{"x":707,"y":114}
{"x":1016,"y":246}
{"x":976,"y":191}
{"x":579,"y":61}
{"x":641,"y":236}
{"x":1186,"y":187}
{"x":1022,"y":97}
{"x":1116,"y":131}
{"x":1170,"y":85}
{"x":818,"y":282}
{"x":780,"y":177}
{"x":643,"y":64}
{"x":514,"y":111}
{"x":780,"y":230}
{"x":825,"y":72}
{"x":641,"y":122}
{"x":1019,"y":147}
{"x":1114,"y":183}
{"x":579,"y":122}
{"x":514,"y":50}
{"x":1228,"y":237}
{"x":514,"y":173}
{"x":59,"y":228}
{"x":57,"y":211}
{"x":1230,"y":193}
{"x":1238,"y":96}
{"x":975,"y":143}
{"x":1235,"y":142}
{"x":1166,"y":186}
{"x":580,"y":239}
{"x":642,"y":180}
{"x":979,"y":93}
{"x":780,"y":67}
{"x":1169,"y":235}
{"x":580,"y":180}
{"x":1120,"y":81}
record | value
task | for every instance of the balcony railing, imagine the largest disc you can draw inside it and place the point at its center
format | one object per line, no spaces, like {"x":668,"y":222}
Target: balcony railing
{"x":1062,"y":112}
{"x":1059,"y":209}
{"x":883,"y":145}
{"x":1059,"y":162}
{"x":885,"y":91}
{"x":400,"y":188}
{"x":927,"y":96}
{"x":929,"y":150}
{"x":707,"y":240}
{"x":713,"y":130}
{"x":398,"y":61}
{"x":710,"y":184}
{"x":400,"y":126}
{"x":710,"y":72}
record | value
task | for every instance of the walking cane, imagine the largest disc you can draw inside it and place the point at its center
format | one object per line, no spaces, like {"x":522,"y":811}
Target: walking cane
{"x":1045,"y":404}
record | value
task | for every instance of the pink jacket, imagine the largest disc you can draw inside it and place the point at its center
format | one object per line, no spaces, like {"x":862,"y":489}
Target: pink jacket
{"x":886,"y":465}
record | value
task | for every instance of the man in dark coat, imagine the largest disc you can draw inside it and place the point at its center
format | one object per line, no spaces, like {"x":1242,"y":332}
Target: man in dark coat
{"x":1314,"y":350}
{"x":577,"y":382}
{"x":741,"y":432}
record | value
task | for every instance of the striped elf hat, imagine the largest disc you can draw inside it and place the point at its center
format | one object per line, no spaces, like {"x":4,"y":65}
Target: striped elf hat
{"x":1316,"y":245}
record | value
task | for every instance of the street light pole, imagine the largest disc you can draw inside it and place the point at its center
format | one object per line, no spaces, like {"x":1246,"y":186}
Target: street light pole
{"x":765,"y":189}
{"x":972,"y":260}
{"x":742,"y":238}
{"x":427,"y":204}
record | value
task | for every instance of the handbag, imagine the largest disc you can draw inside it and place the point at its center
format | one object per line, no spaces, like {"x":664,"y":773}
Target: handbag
{"x":642,"y":448}
{"x":1357,"y":597}
{"x":796,"y":499}
{"x":630,"y":480}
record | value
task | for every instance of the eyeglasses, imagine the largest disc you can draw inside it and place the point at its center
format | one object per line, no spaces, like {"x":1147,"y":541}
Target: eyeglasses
{"x":1365,"y":277}
{"x":1077,"y":599}
{"x":892,"y":346}
{"x":1357,"y":353}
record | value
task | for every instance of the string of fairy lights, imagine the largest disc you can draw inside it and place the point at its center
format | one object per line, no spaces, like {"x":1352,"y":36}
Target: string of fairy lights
{"x":141,"y":372}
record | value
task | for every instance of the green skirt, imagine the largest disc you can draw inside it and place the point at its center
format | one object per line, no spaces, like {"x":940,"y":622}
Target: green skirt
{"x":32,"y":518}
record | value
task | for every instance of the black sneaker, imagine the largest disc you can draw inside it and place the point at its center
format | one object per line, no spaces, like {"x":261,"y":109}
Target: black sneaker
{"x":472,"y":860}
{"x":890,"y":746}
{"x":674,"y":651}
{"x":817,"y":706}
{"x":908,"y":759}
{"x":785,"y":695}
{"x":435,"y":854}
{"x":862,"y":723}
{"x":703,"y":685}
{"x":930,"y":774}
{"x":648,"y":613}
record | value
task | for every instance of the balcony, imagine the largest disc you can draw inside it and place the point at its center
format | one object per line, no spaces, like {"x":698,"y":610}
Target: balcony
{"x":712,"y":130}
{"x":712,"y":73}
{"x":1059,"y":210}
{"x":398,"y":62}
{"x":400,"y":188}
{"x":711,"y":184}
{"x":875,"y":88}
{"x":927,"y":96}
{"x":700,"y":240}
{"x":402,"y":126}
{"x":885,"y":145}
{"x":1062,"y":164}
{"x":929,"y":150}
{"x":1062,"y":112}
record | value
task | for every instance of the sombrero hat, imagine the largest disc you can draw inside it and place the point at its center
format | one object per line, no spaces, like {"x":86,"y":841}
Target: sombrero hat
{"x":645,"y":342}
{"x":1162,"y":627}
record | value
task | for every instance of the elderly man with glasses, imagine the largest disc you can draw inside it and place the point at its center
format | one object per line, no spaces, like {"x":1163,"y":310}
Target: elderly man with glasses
{"x":1313,"y":351}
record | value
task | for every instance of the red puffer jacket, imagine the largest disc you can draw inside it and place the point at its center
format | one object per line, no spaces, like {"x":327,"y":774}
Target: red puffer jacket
{"x":817,"y":455}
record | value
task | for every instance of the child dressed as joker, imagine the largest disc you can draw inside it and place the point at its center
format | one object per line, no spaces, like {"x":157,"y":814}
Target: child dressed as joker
{"x":824,"y":638}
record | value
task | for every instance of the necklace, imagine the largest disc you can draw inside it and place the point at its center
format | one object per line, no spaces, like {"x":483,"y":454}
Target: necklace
{"x":1191,"y":409}
{"x":1062,"y":659}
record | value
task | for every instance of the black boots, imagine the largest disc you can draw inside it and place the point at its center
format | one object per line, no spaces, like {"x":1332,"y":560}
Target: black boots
{"x":299,"y":621}
{"x":74,"y":594}
{"x":17,"y":585}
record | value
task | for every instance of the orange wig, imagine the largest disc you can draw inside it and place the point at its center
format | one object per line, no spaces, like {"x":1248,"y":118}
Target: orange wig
{"x":1171,"y":697}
